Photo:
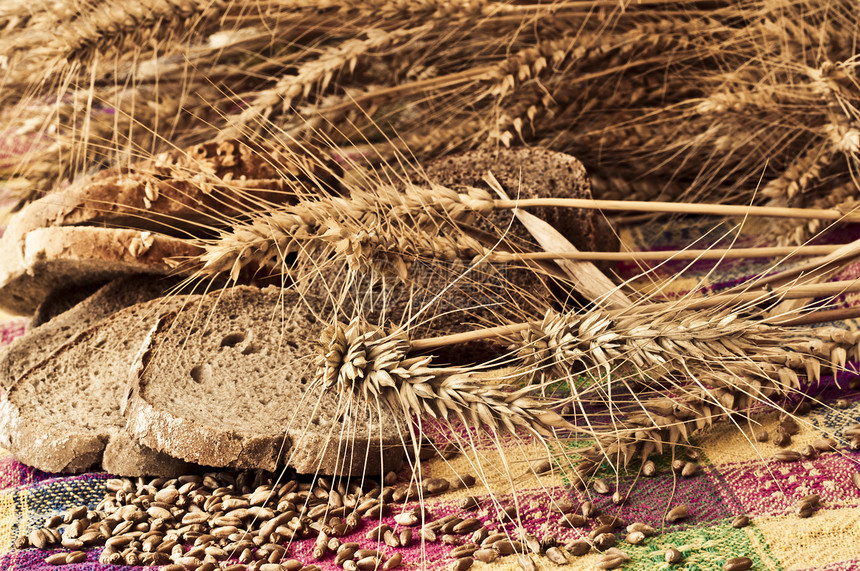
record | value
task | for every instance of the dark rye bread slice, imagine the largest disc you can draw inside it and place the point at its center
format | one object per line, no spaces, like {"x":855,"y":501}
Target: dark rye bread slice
{"x":61,"y":301}
{"x":180,"y":192}
{"x":63,"y":415}
{"x":42,"y":341}
{"x":49,"y":259}
{"x":441,"y":297}
{"x":530,"y":173}
{"x":227,"y":382}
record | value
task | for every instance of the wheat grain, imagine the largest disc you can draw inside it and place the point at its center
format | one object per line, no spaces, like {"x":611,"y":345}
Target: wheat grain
{"x":832,"y":196}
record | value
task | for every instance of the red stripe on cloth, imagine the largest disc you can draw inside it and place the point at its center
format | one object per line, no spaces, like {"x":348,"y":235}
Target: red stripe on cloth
{"x":11,"y":329}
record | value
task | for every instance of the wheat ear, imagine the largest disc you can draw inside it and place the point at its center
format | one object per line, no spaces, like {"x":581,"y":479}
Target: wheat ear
{"x":368,"y":228}
{"x":705,"y":368}
{"x":364,"y":225}
{"x":321,"y":71}
{"x":722,"y":348}
{"x":361,"y":359}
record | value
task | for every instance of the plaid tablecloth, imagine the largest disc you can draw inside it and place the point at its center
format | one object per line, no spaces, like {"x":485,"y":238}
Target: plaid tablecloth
{"x":738,"y":474}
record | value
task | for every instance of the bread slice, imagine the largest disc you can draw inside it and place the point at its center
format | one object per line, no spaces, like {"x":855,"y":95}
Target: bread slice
{"x":63,"y":415}
{"x":41,"y":342}
{"x":125,"y":456}
{"x":531,"y":173}
{"x":49,"y":259}
{"x":230,"y":384}
{"x":61,"y":301}
{"x":179,"y":192}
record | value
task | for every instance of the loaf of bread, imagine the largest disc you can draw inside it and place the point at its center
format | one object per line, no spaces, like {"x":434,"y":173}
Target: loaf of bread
{"x":182,"y":192}
{"x":529,"y":173}
{"x":128,"y":220}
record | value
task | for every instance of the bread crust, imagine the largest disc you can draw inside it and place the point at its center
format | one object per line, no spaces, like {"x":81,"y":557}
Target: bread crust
{"x":52,"y":258}
{"x":121,"y":202}
{"x":180,"y":191}
{"x":99,"y":229}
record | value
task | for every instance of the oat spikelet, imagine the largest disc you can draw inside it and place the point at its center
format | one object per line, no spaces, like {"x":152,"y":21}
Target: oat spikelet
{"x":361,"y":359}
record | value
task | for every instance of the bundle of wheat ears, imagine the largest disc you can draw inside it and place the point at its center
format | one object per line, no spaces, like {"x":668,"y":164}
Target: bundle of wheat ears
{"x":718,"y":107}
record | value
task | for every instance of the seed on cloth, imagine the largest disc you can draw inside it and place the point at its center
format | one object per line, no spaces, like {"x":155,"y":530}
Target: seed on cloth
{"x":738,"y":564}
{"x":601,"y":487}
{"x":673,"y":556}
{"x":678,"y":513}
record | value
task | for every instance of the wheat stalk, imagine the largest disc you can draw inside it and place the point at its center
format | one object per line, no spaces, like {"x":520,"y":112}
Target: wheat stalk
{"x":713,"y":365}
{"x":675,"y":255}
{"x":716,"y":365}
{"x":360,"y":228}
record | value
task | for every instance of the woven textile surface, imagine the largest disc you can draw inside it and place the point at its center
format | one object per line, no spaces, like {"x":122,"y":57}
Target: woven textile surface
{"x":738,"y":474}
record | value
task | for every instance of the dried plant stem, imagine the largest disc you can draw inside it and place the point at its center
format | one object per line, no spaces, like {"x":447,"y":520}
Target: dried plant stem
{"x":837,"y":259}
{"x":683,"y":208}
{"x":662,"y":255}
{"x":431,"y":343}
{"x":825,"y":316}
{"x":717,"y":301}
